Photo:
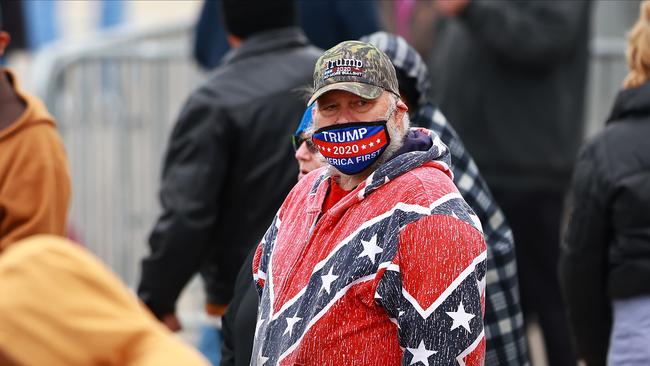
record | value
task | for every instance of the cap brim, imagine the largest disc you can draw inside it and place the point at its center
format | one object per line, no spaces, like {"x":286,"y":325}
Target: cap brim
{"x":363,"y":90}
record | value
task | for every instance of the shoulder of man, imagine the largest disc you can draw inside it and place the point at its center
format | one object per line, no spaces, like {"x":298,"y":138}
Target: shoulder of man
{"x":306,"y":186}
{"x":428,"y":180}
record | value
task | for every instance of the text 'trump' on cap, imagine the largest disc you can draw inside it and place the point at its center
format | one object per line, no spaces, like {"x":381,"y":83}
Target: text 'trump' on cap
{"x":356,"y":67}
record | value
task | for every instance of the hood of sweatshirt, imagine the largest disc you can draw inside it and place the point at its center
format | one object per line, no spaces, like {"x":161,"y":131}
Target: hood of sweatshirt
{"x":34,"y":113}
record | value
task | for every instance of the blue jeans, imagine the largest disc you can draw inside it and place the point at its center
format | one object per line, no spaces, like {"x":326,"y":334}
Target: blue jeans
{"x":209,"y":343}
{"x":630,"y":339}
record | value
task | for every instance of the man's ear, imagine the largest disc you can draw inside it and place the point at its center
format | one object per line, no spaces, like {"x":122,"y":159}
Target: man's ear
{"x":5,"y":38}
{"x":401,"y":105}
{"x":401,"y":108}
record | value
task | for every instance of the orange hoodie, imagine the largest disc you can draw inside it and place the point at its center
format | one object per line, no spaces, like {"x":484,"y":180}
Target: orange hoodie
{"x":60,"y":306}
{"x":34,"y":177}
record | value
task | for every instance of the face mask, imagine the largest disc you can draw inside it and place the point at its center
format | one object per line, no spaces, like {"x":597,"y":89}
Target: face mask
{"x":352,"y":147}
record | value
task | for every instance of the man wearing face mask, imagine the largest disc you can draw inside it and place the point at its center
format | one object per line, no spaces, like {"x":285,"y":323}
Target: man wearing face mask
{"x":375,"y":258}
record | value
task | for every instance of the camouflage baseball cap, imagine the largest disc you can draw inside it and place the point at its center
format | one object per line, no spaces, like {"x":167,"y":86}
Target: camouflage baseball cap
{"x":356,"y":67}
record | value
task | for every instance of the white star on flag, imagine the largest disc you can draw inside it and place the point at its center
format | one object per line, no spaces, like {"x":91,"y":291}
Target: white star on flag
{"x":438,"y":143}
{"x":290,"y":323}
{"x":481,"y":284}
{"x":371,"y":144}
{"x":258,"y":325}
{"x":328,"y":149}
{"x":421,"y":354}
{"x":363,"y":147}
{"x":261,"y":360}
{"x":370,"y":249}
{"x":476,"y":221}
{"x":378,"y":140}
{"x":460,"y":317}
{"x":328,"y":279}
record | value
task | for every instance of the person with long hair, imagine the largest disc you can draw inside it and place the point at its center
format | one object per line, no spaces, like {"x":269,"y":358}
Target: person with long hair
{"x":605,"y":256}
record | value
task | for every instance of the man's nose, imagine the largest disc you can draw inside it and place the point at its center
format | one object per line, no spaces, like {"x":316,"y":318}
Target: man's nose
{"x":303,"y":152}
{"x":345,"y":116}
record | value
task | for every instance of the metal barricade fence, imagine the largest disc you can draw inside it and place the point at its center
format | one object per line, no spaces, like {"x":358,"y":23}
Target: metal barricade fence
{"x":115,"y":99}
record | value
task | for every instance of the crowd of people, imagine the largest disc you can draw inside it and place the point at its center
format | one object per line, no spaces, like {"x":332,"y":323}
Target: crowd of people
{"x":345,"y":205}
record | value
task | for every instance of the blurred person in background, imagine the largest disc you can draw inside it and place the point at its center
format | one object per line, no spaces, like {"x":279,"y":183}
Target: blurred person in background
{"x":228,"y":167}
{"x":60,"y":306}
{"x":12,"y":20}
{"x":510,"y":75}
{"x":413,"y":20}
{"x":239,"y":320}
{"x":306,"y":154}
{"x":34,"y":176}
{"x":504,"y":325}
{"x":325,"y":23}
{"x":605,"y":258}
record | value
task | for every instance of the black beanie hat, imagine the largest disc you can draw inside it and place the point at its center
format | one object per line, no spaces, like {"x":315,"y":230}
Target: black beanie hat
{"x":244,"y":18}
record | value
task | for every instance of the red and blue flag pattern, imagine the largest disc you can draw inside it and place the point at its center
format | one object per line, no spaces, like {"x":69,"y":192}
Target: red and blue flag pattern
{"x":393,"y":274}
{"x":352,"y":147}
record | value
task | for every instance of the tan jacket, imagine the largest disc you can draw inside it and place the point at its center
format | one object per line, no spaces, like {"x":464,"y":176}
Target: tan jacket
{"x":60,"y":306}
{"x":34,"y":177}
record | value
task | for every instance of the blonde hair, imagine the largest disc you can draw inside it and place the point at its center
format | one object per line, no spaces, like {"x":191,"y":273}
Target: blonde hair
{"x":638,"y":49}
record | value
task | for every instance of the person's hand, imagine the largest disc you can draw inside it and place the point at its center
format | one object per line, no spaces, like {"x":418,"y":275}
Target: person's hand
{"x":451,"y":8}
{"x":171,"y":321}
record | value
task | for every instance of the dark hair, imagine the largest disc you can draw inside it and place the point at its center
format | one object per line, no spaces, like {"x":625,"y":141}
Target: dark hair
{"x":408,"y":87}
{"x":244,"y":18}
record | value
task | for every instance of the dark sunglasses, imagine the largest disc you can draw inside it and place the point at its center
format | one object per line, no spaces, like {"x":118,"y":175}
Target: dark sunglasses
{"x":298,"y":140}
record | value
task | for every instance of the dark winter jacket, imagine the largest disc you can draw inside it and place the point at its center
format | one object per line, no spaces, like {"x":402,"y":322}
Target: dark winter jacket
{"x":239,"y":320}
{"x":228,"y":167}
{"x":606,"y":249}
{"x":510,"y":76}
